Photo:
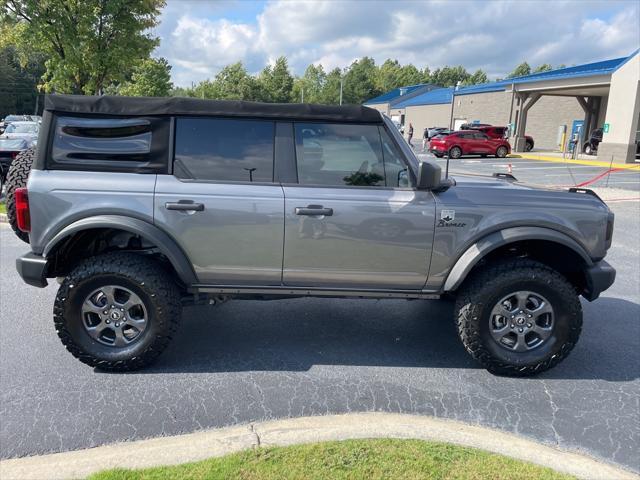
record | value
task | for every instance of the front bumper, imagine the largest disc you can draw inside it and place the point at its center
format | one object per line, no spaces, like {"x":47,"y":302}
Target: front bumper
{"x":33,"y":269}
{"x":599,"y":276}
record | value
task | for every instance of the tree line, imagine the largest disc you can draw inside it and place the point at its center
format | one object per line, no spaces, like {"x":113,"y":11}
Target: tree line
{"x":104,"y":47}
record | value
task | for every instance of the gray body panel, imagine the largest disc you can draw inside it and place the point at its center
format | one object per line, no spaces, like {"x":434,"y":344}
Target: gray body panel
{"x":59,"y":198}
{"x":236,"y":239}
{"x":247,"y":236}
{"x":376,"y":238}
{"x":484,"y":206}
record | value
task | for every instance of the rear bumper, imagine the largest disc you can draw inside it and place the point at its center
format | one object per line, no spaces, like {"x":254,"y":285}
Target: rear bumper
{"x":33,"y":269}
{"x":599,"y":276}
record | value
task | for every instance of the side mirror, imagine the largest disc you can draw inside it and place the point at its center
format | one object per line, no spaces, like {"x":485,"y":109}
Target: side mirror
{"x":429,"y":176}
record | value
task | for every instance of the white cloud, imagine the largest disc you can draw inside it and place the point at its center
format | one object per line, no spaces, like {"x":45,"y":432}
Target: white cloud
{"x":199,"y":38}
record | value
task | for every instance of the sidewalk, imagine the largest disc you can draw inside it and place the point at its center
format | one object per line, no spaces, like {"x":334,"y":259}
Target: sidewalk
{"x":214,"y":443}
{"x":581,"y":159}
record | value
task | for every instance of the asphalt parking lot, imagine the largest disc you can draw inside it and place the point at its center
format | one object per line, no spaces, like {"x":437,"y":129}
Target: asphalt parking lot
{"x":545,"y":173}
{"x":248,"y":361}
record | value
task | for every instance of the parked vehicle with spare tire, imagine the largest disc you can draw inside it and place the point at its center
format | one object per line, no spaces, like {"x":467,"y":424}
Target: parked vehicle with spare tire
{"x":139,"y":206}
{"x":468,"y":142}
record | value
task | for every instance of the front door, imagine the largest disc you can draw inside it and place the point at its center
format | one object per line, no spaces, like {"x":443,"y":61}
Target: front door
{"x":221,"y":204}
{"x":352,"y":221}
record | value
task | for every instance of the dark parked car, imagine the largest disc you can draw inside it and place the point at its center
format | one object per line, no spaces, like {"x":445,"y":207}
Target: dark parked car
{"x":9,"y":149}
{"x":469,"y":142}
{"x":590,"y":147}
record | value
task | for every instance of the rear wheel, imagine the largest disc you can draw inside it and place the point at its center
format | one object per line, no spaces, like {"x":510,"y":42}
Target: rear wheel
{"x":501,"y":152}
{"x":117,"y":311}
{"x":518,"y":317}
{"x":455,"y":152}
{"x":17,"y":178}
{"x":587,"y":149}
{"x":528,"y":146}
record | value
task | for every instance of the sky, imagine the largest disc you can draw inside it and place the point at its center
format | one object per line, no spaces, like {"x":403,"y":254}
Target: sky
{"x":200,"y":37}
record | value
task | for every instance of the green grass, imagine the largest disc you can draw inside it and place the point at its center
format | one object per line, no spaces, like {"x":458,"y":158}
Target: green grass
{"x":352,"y":459}
{"x":3,"y":207}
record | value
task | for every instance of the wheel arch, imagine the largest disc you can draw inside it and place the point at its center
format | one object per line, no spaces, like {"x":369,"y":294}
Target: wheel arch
{"x":63,"y":241}
{"x":543,"y":244}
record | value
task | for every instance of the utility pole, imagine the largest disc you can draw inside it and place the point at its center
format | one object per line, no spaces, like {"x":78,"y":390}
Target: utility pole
{"x":302,"y":95}
{"x":341,"y":82}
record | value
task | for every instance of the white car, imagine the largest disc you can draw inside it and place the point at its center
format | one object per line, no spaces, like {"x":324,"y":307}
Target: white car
{"x":23,"y":130}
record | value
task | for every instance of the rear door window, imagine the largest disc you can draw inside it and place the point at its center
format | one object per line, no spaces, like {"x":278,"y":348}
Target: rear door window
{"x":224,"y":150}
{"x":339,"y":155}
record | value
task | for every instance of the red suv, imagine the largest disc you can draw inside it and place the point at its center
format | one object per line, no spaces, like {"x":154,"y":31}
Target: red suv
{"x":501,"y":132}
{"x":469,"y":142}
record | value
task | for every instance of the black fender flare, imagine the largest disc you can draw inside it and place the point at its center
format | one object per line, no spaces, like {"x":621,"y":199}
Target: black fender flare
{"x":474,"y":253}
{"x":153,"y":234}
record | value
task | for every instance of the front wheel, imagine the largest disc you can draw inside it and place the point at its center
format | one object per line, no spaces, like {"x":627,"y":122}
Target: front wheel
{"x":117,"y":311}
{"x":588,"y":150}
{"x":501,"y":152}
{"x":518,"y":317}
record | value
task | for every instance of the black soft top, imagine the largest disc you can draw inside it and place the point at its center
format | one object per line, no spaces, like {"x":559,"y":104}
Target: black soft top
{"x":151,"y":106}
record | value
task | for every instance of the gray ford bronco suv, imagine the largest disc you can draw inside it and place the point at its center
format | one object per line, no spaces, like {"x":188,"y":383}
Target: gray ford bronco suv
{"x":139,"y":205}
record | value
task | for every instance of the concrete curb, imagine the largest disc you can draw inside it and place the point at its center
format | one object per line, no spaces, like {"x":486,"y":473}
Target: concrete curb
{"x":213,"y":443}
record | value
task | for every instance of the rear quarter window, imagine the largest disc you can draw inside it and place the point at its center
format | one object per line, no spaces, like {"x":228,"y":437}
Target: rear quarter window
{"x":138,"y":145}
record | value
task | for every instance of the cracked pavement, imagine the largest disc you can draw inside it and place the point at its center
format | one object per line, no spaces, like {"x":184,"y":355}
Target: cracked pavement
{"x":243,"y":362}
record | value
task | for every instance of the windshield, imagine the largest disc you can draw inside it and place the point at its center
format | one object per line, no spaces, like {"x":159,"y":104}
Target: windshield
{"x":13,"y":118}
{"x":22,"y":128}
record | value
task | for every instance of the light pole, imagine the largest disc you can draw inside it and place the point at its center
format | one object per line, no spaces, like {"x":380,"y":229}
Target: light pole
{"x":341,"y":82}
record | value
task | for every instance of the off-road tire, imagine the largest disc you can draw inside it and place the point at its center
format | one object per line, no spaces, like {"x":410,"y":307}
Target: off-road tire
{"x":17,"y":178}
{"x":142,"y":275}
{"x":486,"y":287}
{"x":501,"y":152}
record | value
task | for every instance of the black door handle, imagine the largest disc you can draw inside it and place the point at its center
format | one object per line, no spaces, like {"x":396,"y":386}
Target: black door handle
{"x":185,"y":206}
{"x":314,"y":210}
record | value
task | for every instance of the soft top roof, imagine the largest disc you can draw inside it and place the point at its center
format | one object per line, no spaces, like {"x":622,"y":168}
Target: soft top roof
{"x":117,"y":105}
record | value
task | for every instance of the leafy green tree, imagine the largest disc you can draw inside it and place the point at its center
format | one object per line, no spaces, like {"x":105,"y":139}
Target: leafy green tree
{"x":479,"y":76}
{"x":89,"y":44}
{"x":359,"y":81}
{"x":425,"y":75}
{"x":388,"y":76}
{"x":19,"y":82}
{"x":545,"y":67}
{"x":151,"y":78}
{"x":231,"y":83}
{"x":449,"y":76}
{"x":331,"y":89}
{"x":520,"y":70}
{"x":310,"y":85}
{"x":276,"y":82}
{"x":409,"y":75}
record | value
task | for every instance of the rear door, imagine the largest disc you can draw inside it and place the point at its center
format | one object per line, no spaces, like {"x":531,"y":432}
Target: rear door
{"x":481,"y":143}
{"x":221,"y":203}
{"x":352,"y":220}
